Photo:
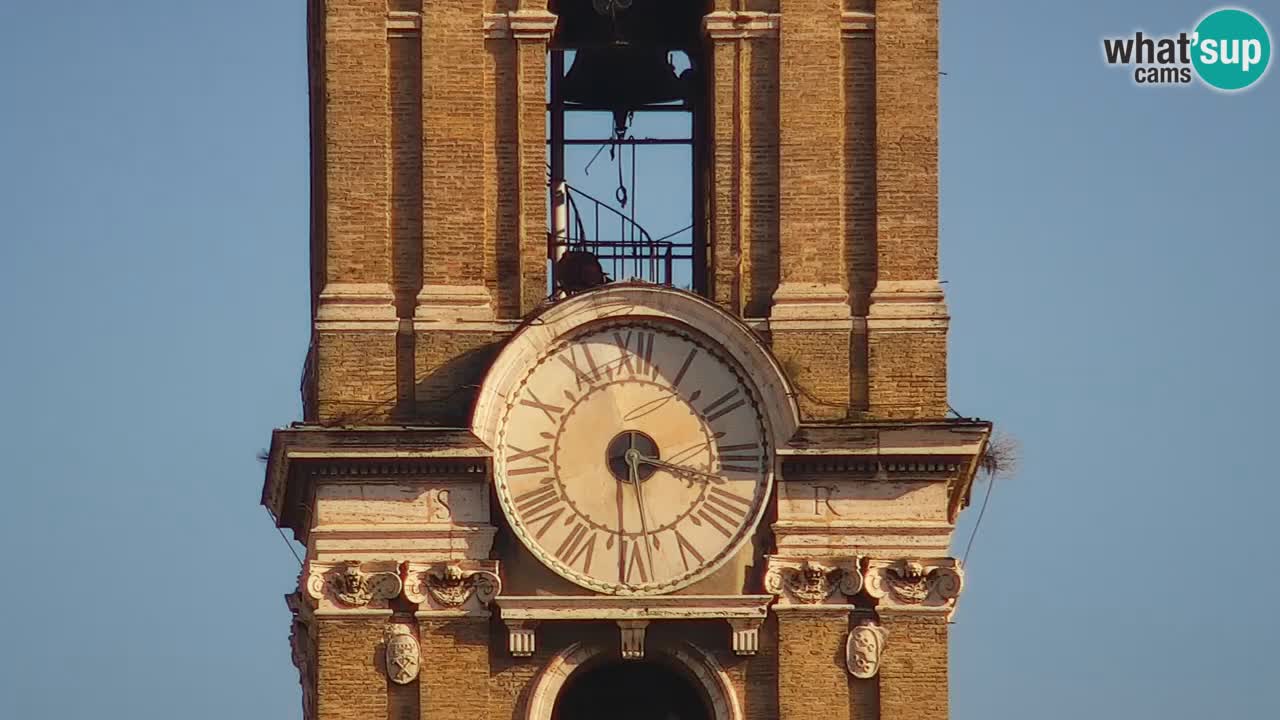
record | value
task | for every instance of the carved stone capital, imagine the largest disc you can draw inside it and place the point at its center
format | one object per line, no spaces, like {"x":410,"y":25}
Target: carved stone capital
{"x":521,"y":25}
{"x":403,"y":657}
{"x":853,"y":22}
{"x":924,"y":585}
{"x":462,"y":588}
{"x":352,"y":585}
{"x":826,"y":581}
{"x":864,"y":649}
{"x":740,"y":24}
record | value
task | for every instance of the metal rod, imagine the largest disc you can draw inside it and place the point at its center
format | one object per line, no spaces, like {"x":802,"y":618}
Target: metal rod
{"x":630,"y":141}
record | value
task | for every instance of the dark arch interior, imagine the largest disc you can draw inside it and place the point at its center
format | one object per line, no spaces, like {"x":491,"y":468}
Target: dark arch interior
{"x":630,"y":690}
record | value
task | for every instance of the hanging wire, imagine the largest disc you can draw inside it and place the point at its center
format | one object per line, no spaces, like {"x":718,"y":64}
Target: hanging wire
{"x":991,"y":481}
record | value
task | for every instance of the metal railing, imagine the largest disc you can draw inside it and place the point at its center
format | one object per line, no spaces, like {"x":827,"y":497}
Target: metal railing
{"x":626,"y":250}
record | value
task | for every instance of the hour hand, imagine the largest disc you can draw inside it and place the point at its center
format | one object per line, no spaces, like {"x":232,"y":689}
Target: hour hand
{"x":680,"y":469}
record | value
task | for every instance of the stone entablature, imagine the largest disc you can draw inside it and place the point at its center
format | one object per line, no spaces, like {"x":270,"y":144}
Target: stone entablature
{"x":523,"y":614}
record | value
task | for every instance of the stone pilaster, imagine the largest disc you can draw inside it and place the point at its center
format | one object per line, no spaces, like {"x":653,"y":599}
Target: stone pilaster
{"x":811,"y":324}
{"x":907,"y":319}
{"x":744,"y":159}
{"x":355,"y":319}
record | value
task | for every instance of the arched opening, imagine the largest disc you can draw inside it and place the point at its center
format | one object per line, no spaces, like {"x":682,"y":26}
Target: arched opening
{"x":630,"y":690}
{"x":629,"y":78}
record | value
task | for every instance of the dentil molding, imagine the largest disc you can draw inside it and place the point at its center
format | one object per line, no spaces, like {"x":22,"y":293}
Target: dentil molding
{"x":813,"y":582}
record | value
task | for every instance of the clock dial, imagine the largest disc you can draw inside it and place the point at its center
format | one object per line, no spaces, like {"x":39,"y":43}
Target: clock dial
{"x":633,"y":458}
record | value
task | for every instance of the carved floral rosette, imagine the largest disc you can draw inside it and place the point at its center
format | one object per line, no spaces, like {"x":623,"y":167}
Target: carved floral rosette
{"x":822,"y":581}
{"x":465,"y":587}
{"x":865,"y":648}
{"x":353,"y":585}
{"x":402,"y":655}
{"x":915,"y":584}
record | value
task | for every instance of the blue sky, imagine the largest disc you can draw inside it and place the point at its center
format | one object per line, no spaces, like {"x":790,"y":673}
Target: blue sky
{"x":1109,"y":253}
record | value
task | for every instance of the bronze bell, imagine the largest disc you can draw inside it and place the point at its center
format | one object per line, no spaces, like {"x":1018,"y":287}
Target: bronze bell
{"x":622,"y":78}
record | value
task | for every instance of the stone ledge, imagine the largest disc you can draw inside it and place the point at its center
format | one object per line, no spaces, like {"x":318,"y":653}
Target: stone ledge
{"x":908,"y":305}
{"x":356,"y":306}
{"x":609,"y":607}
{"x":735,"y":25}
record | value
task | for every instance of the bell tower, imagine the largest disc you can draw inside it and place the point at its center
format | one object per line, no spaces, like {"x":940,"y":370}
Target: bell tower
{"x":626,"y":389}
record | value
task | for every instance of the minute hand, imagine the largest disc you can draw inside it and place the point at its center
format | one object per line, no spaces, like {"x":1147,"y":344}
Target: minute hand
{"x":680,"y":469}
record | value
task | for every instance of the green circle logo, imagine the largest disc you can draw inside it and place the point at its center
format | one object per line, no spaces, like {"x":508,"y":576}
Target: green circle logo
{"x":1232,"y":49}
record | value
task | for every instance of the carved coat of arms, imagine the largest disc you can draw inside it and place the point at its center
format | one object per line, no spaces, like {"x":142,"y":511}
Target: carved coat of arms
{"x":402,"y":656}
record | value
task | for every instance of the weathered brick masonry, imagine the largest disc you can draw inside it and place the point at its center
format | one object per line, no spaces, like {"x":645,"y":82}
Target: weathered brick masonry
{"x":429,"y":257}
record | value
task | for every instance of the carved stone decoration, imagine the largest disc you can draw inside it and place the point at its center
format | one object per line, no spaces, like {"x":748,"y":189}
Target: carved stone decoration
{"x":347,"y":585}
{"x":303,"y":646}
{"x":746,"y":635}
{"x":402,"y":654}
{"x":813,"y":582}
{"x":633,"y":638}
{"x":864,"y":648}
{"x":454,"y":589}
{"x":521,"y":640}
{"x":915,"y":584}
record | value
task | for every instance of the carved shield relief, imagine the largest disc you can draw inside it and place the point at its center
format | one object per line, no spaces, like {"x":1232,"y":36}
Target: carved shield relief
{"x":402,"y":655}
{"x":864,"y":649}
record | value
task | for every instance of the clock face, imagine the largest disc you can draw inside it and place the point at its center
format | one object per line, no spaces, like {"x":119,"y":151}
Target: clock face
{"x":633,"y":458}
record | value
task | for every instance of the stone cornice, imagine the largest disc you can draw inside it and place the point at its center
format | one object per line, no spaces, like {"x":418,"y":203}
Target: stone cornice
{"x":301,"y":454}
{"x":630,"y":607}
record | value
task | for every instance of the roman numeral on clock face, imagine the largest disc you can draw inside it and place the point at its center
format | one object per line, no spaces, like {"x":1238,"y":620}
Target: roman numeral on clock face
{"x":746,"y":459}
{"x":718,"y":408}
{"x":687,"y":549}
{"x":580,"y":543}
{"x":635,"y":357}
{"x":551,"y":411}
{"x":541,"y":463}
{"x":634,"y":570}
{"x":723,"y":510}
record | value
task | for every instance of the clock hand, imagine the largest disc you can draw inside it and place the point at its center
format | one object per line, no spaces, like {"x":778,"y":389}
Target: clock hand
{"x":679,"y":469}
{"x":633,"y":466}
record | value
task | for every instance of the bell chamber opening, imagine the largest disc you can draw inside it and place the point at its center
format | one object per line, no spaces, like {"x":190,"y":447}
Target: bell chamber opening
{"x":630,"y":690}
{"x":627,"y":151}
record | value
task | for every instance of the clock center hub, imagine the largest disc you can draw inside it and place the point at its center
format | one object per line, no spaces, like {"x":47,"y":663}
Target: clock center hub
{"x":627,"y":451}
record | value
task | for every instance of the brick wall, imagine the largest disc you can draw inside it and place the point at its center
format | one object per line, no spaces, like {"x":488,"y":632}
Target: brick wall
{"x":350,"y":684}
{"x":913,"y":675}
{"x":455,"y":667}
